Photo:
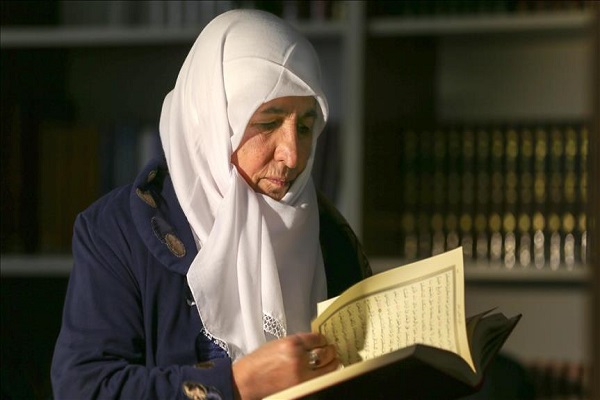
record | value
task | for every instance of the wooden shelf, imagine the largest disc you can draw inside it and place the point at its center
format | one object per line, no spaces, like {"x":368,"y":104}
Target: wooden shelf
{"x":60,"y":265}
{"x":79,"y":36}
{"x":472,"y":24}
{"x":496,"y":274}
{"x":42,"y":266}
{"x":480,"y":272}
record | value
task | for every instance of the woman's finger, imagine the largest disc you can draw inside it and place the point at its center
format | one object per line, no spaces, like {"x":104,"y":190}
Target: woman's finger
{"x":320,"y":357}
{"x":310,"y":340}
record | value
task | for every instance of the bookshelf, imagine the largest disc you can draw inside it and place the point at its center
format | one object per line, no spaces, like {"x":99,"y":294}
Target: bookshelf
{"x":349,"y":37}
{"x":465,"y":74}
{"x":127,"y":68}
{"x":386,"y":71}
{"x":540,"y":21}
{"x":470,"y":76}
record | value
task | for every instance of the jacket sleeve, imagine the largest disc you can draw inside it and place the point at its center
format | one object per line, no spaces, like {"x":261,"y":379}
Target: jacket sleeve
{"x":101,"y":350}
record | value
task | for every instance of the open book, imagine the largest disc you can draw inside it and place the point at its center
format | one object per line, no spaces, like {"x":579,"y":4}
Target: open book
{"x":403,"y":334}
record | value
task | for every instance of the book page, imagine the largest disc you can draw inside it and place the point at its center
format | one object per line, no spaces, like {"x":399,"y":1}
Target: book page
{"x":421,"y":303}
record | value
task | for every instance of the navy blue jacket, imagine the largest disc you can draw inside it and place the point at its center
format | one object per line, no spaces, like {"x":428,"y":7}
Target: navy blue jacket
{"x":130,"y":329}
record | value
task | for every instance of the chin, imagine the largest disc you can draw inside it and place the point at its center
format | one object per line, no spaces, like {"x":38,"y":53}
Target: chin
{"x":274,"y":192}
{"x":276,"y":196}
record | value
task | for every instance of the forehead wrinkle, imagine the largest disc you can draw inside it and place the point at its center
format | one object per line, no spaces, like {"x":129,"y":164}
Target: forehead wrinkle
{"x":280,"y":111}
{"x":274,"y":110}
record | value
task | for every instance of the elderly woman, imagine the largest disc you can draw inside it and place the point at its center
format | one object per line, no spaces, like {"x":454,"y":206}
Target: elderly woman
{"x":202,"y":277}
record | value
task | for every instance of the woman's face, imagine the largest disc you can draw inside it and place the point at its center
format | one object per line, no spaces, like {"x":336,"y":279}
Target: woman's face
{"x":276,"y":144}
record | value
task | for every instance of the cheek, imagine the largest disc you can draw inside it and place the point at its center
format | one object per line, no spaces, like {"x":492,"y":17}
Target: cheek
{"x":253,"y":157}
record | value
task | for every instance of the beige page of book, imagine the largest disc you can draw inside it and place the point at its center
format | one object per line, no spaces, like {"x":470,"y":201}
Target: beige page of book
{"x":422,"y":303}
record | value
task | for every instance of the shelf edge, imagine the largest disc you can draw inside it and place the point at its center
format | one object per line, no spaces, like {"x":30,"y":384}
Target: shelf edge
{"x":73,"y":36}
{"x":493,"y":23}
{"x":60,"y":265}
{"x":35,"y":266}
{"x":485,"y":272}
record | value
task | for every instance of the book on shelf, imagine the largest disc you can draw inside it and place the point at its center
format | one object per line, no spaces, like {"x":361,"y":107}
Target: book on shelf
{"x":126,"y":147}
{"x":68,"y":180}
{"x":403,"y":334}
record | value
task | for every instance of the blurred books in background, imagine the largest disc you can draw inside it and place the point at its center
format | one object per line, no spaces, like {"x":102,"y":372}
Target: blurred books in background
{"x":180,"y":14}
{"x":511,"y":196}
{"x":76,"y":164}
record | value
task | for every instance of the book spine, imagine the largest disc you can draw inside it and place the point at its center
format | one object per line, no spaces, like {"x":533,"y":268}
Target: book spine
{"x":582,"y":190}
{"x":155,"y":13}
{"x":409,"y":166}
{"x":13,"y":175}
{"x":191,"y":14}
{"x":453,"y":167}
{"x":554,"y":189}
{"x":425,"y":194}
{"x":52,"y":159}
{"x":570,"y":208}
{"x":439,"y":191}
{"x":124,"y":155}
{"x":539,"y":197}
{"x":482,"y":197}
{"x":174,"y":14}
{"x":524,"y":220}
{"x":320,"y":10}
{"x":69,"y":181}
{"x":118,"y":13}
{"x":467,"y":195}
{"x":509,"y":219}
{"x":497,"y":195}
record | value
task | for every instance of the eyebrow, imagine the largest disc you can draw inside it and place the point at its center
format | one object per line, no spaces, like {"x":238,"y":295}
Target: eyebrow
{"x":312,"y":113}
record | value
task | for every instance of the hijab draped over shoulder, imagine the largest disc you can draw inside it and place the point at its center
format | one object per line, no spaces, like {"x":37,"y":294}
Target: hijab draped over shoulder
{"x":259,"y":270}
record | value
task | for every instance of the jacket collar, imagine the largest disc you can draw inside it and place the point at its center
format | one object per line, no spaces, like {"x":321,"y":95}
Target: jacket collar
{"x":159,"y":219}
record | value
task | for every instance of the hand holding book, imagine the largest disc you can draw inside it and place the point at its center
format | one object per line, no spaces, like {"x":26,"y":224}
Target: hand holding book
{"x":400,"y":330}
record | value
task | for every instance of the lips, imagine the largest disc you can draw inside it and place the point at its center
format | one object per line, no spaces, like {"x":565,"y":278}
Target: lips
{"x":281,"y":182}
{"x":274,"y":186}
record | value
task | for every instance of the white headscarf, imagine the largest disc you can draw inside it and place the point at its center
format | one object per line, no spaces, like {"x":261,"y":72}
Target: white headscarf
{"x":259,"y":270}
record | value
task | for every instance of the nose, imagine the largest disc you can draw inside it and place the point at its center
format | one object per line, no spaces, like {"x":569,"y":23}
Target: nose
{"x":287,"y":145}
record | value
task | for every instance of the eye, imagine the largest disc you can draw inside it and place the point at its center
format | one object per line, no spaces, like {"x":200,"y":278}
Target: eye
{"x":267,"y":125}
{"x":304,"y":129}
{"x":305,"y":126}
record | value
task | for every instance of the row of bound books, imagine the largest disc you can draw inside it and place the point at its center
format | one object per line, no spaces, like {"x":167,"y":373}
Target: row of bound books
{"x":507,"y":194}
{"x":521,"y":247}
{"x":78,"y":164}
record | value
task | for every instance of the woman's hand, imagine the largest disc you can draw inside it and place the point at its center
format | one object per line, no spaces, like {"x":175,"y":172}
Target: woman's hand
{"x":282,"y":363}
